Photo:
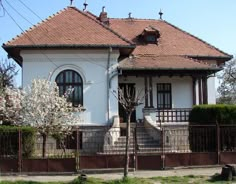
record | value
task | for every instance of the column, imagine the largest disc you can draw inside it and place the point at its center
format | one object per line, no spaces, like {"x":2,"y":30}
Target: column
{"x":146,"y":91}
{"x":200,"y":90}
{"x":150,"y":92}
{"x":194,"y":90}
{"x":204,"y":90}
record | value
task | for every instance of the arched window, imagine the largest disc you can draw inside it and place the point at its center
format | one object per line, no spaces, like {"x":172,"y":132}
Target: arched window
{"x":70,"y":79}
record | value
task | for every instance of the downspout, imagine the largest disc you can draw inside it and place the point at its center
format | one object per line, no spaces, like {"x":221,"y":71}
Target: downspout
{"x":113,"y":75}
{"x":108,"y":89}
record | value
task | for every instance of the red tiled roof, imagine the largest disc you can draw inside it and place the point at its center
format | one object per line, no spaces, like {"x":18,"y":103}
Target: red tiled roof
{"x":163,"y":62}
{"x":74,"y":28}
{"x":69,"y":27}
{"x":172,"y":41}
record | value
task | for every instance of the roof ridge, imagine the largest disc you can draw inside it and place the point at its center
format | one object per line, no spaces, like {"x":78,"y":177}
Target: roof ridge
{"x":31,"y":28}
{"x":90,"y":13}
{"x":106,"y":27}
{"x":162,"y":55}
{"x":201,"y":40}
{"x":139,"y":19}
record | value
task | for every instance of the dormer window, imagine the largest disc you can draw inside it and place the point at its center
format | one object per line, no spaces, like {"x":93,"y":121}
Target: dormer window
{"x":150,"y":35}
{"x":151,"y":38}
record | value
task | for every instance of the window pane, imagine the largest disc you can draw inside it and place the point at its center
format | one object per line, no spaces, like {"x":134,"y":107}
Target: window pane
{"x":59,"y":78}
{"x":163,"y":95}
{"x":69,"y":80}
{"x":69,"y":77}
{"x":77,"y":95}
{"x":61,"y":92}
{"x":77,"y":78}
{"x":151,"y":38}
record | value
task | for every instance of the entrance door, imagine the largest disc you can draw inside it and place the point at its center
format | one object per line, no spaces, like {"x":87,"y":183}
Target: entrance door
{"x":126,"y":89}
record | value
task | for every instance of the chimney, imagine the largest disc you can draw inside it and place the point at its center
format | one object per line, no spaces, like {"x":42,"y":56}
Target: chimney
{"x":103,"y":17}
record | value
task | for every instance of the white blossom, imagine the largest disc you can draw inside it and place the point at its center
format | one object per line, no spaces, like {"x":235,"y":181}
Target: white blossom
{"x":45,"y":110}
{"x":10,"y":105}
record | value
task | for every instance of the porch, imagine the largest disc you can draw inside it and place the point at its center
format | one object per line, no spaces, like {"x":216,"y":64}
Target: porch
{"x":168,"y":97}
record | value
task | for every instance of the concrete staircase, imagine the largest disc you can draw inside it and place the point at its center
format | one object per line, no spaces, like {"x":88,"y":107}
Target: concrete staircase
{"x":145,"y":143}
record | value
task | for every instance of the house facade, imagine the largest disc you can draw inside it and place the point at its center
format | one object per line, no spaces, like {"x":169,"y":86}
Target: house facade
{"x":173,"y":69}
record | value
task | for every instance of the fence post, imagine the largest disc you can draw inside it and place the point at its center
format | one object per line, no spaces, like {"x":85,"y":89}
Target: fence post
{"x":218,"y":142}
{"x":162,"y":149}
{"x":135,"y":148}
{"x":19,"y":150}
{"x":77,"y":150}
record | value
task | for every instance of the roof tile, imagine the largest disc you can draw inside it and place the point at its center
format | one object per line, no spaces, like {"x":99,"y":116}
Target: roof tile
{"x":172,"y":41}
{"x":162,"y":62}
{"x":69,"y":27}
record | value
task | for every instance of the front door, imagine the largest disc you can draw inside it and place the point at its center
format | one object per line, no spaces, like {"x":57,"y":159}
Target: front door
{"x":127,"y":89}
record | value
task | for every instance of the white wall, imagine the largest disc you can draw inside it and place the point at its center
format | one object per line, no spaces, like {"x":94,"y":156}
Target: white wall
{"x":91,"y":65}
{"x":182,"y":96}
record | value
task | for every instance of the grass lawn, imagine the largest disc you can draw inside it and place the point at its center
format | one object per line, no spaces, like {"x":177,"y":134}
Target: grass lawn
{"x":155,"y":180}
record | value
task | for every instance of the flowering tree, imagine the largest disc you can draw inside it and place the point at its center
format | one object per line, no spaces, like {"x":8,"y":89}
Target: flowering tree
{"x":10,"y":106}
{"x":49,"y":113}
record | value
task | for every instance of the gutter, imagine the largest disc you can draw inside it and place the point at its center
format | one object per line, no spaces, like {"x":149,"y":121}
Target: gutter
{"x":113,"y":75}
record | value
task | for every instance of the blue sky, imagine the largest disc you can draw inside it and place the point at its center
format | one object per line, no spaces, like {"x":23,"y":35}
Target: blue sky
{"x":211,"y":20}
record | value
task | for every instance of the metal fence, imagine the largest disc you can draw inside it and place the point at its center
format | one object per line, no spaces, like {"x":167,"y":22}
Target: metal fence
{"x":99,"y":147}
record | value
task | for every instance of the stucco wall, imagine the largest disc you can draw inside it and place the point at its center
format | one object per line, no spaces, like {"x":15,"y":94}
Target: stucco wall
{"x":91,"y":65}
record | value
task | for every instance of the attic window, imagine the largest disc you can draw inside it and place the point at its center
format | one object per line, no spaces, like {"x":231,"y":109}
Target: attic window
{"x":150,"y":35}
{"x":151,"y":38}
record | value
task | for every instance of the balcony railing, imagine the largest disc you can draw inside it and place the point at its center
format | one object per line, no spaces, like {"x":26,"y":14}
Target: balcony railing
{"x":173,"y":115}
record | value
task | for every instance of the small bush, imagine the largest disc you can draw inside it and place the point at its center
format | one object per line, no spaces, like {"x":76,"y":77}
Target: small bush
{"x":9,"y":141}
{"x":28,"y":141}
{"x":210,"y":114}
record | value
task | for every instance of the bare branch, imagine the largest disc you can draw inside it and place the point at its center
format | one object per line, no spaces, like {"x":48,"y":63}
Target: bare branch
{"x":227,"y":89}
{"x":7,"y":73}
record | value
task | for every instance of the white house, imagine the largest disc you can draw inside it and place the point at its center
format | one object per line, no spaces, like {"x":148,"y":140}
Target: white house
{"x":95,"y":55}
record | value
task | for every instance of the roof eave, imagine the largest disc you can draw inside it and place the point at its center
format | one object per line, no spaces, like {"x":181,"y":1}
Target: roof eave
{"x":55,"y":46}
{"x":172,"y":69}
{"x":169,"y":71}
{"x":218,"y":58}
{"x":14,"y":50}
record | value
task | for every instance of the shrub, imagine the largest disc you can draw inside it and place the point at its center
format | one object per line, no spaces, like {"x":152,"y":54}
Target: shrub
{"x":9,"y":140}
{"x":210,"y":114}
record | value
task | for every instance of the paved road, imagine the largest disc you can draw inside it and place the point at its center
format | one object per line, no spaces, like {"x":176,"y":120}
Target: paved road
{"x":110,"y":176}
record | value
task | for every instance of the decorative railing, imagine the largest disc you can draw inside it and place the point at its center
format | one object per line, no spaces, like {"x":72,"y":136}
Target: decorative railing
{"x":173,"y":115}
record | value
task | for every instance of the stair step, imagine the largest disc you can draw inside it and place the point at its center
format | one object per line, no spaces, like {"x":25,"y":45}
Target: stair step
{"x":145,"y":142}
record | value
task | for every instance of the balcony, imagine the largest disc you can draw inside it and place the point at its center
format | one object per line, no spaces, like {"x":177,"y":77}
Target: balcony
{"x":172,"y":115}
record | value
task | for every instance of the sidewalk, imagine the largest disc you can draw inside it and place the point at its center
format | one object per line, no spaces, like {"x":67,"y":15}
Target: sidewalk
{"x":111,"y":176}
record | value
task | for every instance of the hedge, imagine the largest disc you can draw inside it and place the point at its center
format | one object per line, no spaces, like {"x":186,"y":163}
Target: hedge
{"x":203,"y":139}
{"x":210,"y":114}
{"x":9,"y":139}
